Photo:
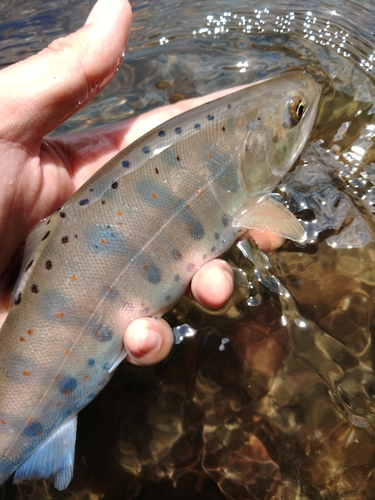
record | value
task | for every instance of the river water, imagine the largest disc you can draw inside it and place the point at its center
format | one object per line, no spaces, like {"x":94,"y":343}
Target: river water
{"x":274,"y":397}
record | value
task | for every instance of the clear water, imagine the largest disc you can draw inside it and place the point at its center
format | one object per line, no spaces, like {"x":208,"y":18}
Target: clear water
{"x":274,"y":396}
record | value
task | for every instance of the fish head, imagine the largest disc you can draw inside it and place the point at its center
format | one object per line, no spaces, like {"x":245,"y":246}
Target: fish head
{"x":276,"y":129}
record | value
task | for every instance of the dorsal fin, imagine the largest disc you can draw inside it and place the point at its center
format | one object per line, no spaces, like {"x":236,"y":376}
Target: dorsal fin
{"x":34,"y":245}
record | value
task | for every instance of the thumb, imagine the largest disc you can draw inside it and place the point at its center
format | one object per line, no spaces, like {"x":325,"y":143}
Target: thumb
{"x":41,"y":92}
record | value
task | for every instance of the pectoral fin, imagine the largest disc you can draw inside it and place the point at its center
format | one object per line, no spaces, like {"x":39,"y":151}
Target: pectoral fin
{"x":270,"y":214}
{"x":54,"y":459}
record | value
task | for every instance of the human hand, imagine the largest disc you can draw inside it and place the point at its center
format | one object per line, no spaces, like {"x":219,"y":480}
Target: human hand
{"x":39,"y":173}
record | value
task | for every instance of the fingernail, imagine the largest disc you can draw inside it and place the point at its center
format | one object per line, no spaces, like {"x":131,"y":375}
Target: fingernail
{"x":149,"y":341}
{"x":99,"y":9}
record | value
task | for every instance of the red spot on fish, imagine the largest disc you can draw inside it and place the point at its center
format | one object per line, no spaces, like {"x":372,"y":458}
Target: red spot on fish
{"x":104,"y":242}
{"x":57,"y":376}
{"x":30,"y":332}
{"x":65,"y":239}
{"x":200,"y":190}
{"x":59,"y":314}
{"x":146,"y":266}
{"x":22,"y":339}
{"x":178,"y":158}
{"x":119,"y":213}
{"x":67,"y":392}
{"x":29,"y":421}
{"x":85,"y":377}
{"x":67,"y":352}
{"x":3,"y":421}
{"x":210,"y":156}
{"x":26,"y":373}
{"x":154,"y":195}
{"x":73,"y":278}
{"x":92,"y":311}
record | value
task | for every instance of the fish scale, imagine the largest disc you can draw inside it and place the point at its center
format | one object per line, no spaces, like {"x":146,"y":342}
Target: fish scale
{"x":126,"y":245}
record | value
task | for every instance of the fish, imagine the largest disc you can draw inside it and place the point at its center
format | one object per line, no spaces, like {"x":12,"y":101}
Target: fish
{"x":126,"y":245}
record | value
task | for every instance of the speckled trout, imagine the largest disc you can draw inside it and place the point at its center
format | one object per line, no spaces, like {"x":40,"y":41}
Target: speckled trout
{"x":127,"y":245}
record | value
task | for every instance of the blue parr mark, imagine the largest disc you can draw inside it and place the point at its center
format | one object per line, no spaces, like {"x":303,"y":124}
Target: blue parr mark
{"x":33,"y":429}
{"x":84,"y":202}
{"x":156,"y":195}
{"x":229,"y":106}
{"x":126,"y":164}
{"x":197,"y":126}
{"x":91,"y":362}
{"x":102,"y":333}
{"x":195,"y":228}
{"x":146,"y":149}
{"x":210,"y":117}
{"x":152,"y":273}
{"x":178,"y":130}
{"x":102,"y":239}
{"x":67,"y":385}
{"x":161,"y":133}
{"x":55,"y":307}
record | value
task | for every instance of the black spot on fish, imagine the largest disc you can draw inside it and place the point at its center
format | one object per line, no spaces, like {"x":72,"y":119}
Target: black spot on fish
{"x":29,"y":265}
{"x":210,"y":117}
{"x":177,"y":278}
{"x":46,"y":235}
{"x":223,"y":129}
{"x":229,"y":106}
{"x":103,"y":202}
{"x":126,"y":164}
{"x":18,"y":299}
{"x":152,"y":272}
{"x":103,"y":333}
{"x":177,"y":158}
{"x":146,"y":149}
{"x":258,"y":118}
{"x":91,"y":362}
{"x":161,"y":133}
{"x":49,"y":220}
{"x":33,"y":429}
{"x":275,"y":138}
{"x":84,"y":202}
{"x":197,"y":126}
{"x":156,"y":170}
{"x":217,"y":236}
{"x":167,"y":298}
{"x":91,"y":190}
{"x":62,"y":215}
{"x":34,"y":288}
{"x":67,"y":385}
{"x":114,"y":185}
{"x":213,"y":249}
{"x":178,"y":130}
{"x":65,"y":239}
{"x":48,"y":265}
{"x":284,"y":149}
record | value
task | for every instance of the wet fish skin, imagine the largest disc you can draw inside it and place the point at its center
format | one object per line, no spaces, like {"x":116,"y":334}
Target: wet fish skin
{"x":128,"y":243}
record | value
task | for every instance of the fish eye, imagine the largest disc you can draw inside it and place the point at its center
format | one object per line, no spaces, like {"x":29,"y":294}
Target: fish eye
{"x":296,"y":110}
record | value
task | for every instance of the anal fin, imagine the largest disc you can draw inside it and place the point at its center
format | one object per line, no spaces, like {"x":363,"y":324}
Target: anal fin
{"x":54,"y":459}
